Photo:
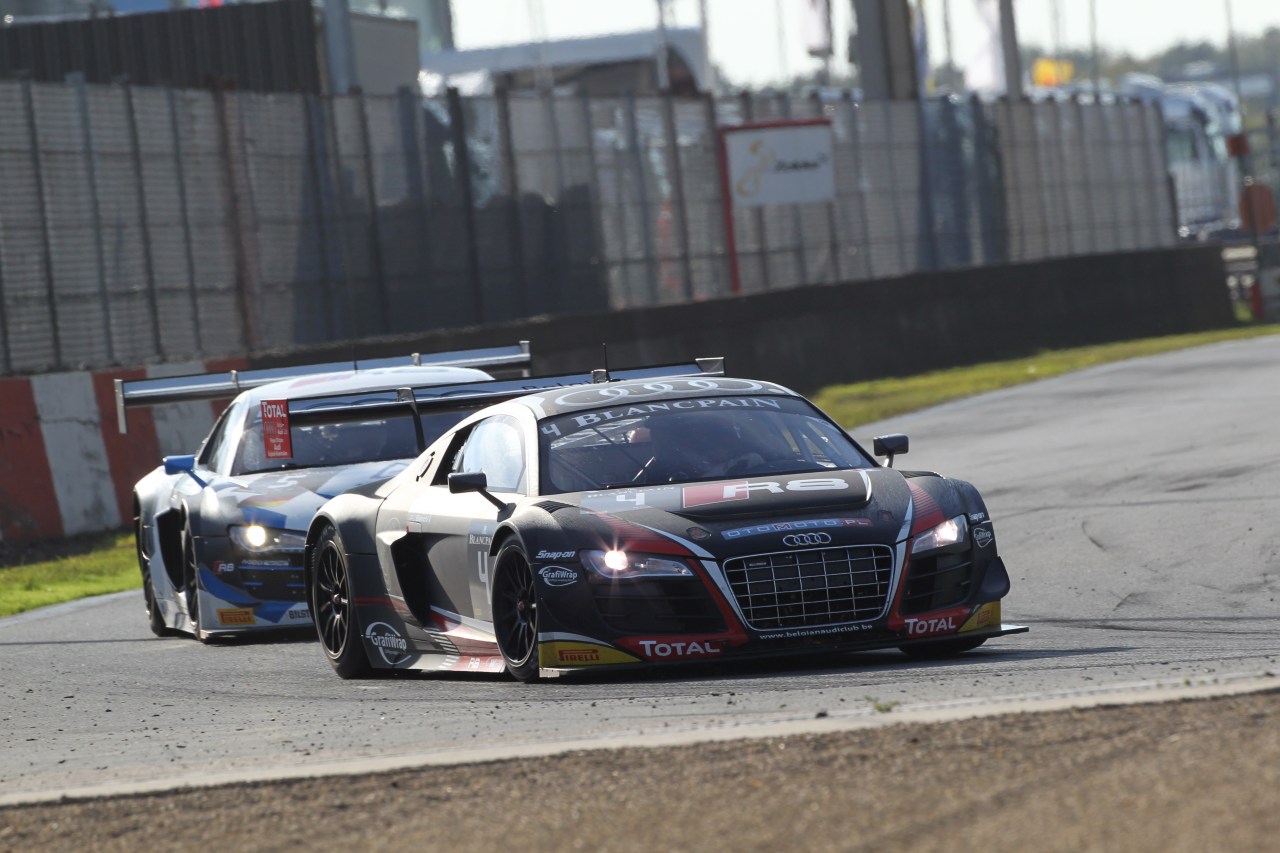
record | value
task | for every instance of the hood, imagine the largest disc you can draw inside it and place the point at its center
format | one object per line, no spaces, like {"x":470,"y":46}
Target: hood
{"x":747,"y":515}
{"x":288,"y":499}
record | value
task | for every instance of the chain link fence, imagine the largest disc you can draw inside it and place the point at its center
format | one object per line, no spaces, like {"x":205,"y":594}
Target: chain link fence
{"x":148,"y":224}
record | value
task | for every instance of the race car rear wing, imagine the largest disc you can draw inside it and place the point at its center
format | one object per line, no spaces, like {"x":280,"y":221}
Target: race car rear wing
{"x":214,"y":386}
{"x":477,"y":394}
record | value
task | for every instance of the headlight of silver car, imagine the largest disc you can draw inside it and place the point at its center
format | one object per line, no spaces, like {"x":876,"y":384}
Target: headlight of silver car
{"x":621,"y":564}
{"x":255,"y":538}
{"x":951,"y":534}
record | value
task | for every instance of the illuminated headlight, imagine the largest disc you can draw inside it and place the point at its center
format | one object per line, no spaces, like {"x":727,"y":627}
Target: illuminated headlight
{"x":952,"y":533}
{"x":256,"y":538}
{"x":620,"y":564}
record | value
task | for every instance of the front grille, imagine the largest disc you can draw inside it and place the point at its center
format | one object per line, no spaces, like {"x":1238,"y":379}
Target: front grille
{"x":809,"y":589}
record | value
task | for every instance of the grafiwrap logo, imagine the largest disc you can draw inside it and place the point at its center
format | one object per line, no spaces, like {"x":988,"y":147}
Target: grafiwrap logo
{"x":800,"y":540}
{"x":558,"y":576}
{"x":393,"y":647}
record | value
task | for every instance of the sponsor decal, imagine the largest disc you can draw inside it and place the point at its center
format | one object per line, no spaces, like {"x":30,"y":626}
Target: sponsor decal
{"x":581,"y":653}
{"x":976,"y":517}
{"x":235,"y":617}
{"x":556,"y":555}
{"x":276,"y":443}
{"x":299,"y":613}
{"x":591,"y":655}
{"x":927,"y":627}
{"x":800,"y":540}
{"x":678,"y":648}
{"x":805,"y":524}
{"x":626,"y":394}
{"x":742,"y":490}
{"x":816,"y":632}
{"x":222,"y":568}
{"x":698,"y":534}
{"x":393,"y":647}
{"x":986,"y":616}
{"x":982,"y":536}
{"x":558,"y":576}
{"x":481,"y":539}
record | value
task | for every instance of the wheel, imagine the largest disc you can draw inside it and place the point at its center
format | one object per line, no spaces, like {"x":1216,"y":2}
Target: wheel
{"x":191,"y":578}
{"x":154,"y":618}
{"x":515,"y":612}
{"x":941,"y":648}
{"x":330,"y":600}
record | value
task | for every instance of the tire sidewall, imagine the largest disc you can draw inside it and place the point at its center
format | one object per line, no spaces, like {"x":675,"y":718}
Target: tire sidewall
{"x":526,"y":669}
{"x":351,"y":661}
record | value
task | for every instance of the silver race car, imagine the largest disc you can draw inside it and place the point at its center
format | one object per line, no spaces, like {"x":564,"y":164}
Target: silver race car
{"x":220,"y":533}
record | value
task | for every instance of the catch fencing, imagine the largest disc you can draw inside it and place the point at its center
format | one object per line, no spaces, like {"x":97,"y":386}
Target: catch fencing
{"x":145,"y":224}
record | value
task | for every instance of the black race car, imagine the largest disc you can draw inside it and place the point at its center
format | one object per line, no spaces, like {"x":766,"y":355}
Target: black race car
{"x":666,"y":516}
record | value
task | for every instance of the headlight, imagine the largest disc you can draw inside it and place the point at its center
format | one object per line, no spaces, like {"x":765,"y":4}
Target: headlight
{"x":950,"y":533}
{"x":256,"y":538}
{"x":620,"y":564}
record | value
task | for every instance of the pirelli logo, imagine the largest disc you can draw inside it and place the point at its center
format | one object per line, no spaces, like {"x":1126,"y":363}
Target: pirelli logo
{"x":235,"y":617}
{"x":579,"y":655}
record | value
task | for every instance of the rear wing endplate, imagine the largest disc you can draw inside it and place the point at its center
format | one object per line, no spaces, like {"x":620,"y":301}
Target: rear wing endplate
{"x":215,"y":386}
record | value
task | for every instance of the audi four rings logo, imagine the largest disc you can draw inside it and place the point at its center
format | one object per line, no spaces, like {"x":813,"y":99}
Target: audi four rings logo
{"x":795,"y":540}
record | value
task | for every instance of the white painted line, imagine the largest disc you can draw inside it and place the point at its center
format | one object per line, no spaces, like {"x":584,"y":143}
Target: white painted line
{"x":1122,"y":694}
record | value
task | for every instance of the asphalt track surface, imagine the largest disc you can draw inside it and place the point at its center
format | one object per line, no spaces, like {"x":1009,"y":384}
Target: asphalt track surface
{"x":1135,"y":507}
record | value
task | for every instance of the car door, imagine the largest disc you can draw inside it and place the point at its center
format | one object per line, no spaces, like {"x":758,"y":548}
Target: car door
{"x":457,"y":529}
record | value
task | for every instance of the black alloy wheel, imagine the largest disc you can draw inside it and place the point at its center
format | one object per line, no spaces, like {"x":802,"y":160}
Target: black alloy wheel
{"x":191,"y":577}
{"x":515,"y":612}
{"x":941,"y":648}
{"x":331,"y":610}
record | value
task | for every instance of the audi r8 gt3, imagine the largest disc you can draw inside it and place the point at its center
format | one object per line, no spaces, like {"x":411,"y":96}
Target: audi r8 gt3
{"x":645,"y":520}
{"x":220,"y":533}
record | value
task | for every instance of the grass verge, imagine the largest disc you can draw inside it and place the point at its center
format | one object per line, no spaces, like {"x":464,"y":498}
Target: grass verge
{"x":866,"y":402}
{"x":49,"y":573}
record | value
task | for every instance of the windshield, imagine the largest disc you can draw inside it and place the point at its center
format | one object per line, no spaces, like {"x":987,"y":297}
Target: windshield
{"x":340,"y":441}
{"x":683,"y":441}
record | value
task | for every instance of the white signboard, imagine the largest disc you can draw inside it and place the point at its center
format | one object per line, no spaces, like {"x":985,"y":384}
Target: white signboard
{"x":781,"y":163}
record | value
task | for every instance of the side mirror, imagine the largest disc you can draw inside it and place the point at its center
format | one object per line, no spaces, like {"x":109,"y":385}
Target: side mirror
{"x":894,"y":444}
{"x":183,"y":465}
{"x":477,"y":481}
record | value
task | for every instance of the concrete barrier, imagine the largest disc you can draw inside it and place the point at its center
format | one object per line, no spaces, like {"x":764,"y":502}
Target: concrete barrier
{"x":64,"y":469}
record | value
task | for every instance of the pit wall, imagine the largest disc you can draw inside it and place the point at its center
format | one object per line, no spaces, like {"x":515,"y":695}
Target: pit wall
{"x":65,"y":469}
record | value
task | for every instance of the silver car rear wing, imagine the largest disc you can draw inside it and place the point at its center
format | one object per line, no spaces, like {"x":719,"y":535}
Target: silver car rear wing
{"x":477,"y":394}
{"x":214,"y":386}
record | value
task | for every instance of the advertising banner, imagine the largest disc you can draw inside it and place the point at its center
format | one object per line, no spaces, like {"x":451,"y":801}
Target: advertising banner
{"x":780,"y":163}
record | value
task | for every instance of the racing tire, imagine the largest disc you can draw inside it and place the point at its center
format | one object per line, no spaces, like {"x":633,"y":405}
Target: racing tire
{"x":191,"y":578}
{"x":941,"y":648}
{"x":331,"y":607}
{"x":515,"y":612}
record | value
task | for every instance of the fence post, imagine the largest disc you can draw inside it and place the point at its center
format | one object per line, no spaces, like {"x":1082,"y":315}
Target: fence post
{"x":410,"y":107}
{"x":856,"y":143}
{"x":677,"y":189}
{"x":1156,"y":187}
{"x":797,"y":224}
{"x":76,"y":79}
{"x":188,"y":252}
{"x":1087,"y":171}
{"x":511,"y":188}
{"x":762,"y":240}
{"x":595,"y":200}
{"x":248,"y":325}
{"x":815,"y":103}
{"x":135,"y":149}
{"x":887,"y":114}
{"x":317,"y":160}
{"x":646,"y":228}
{"x":375,"y":220}
{"x":1126,"y":142}
{"x":990,"y":188}
{"x":1061,"y":132}
{"x":926,"y":220}
{"x":42,"y":202}
{"x":462,"y":156}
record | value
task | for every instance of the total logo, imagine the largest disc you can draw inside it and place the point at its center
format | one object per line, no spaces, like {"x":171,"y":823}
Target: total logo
{"x":679,"y":649}
{"x":925,"y":627}
{"x":393,"y":647}
{"x":797,"y":540}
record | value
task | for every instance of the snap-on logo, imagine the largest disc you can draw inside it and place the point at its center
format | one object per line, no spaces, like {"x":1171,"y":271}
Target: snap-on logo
{"x":797,"y":540}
